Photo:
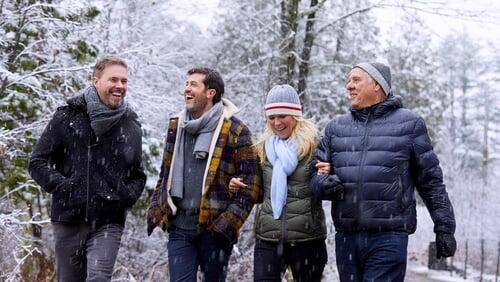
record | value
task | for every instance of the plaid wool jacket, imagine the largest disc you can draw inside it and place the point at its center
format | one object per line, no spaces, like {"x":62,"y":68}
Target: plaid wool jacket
{"x":231,"y":155}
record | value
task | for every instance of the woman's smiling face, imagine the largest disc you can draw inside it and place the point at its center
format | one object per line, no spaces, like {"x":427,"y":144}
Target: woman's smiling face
{"x":282,"y":125}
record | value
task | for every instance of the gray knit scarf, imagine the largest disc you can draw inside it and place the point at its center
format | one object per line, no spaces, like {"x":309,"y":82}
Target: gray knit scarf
{"x":205,"y":127}
{"x":102,"y":118}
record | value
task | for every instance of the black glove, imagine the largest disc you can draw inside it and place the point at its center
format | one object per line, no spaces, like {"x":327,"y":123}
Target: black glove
{"x":446,"y":245}
{"x":331,"y":186}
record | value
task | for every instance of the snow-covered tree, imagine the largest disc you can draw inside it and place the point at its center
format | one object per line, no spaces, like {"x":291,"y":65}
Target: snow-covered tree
{"x":415,"y":72}
{"x":346,"y":33}
{"x":40,"y":63}
{"x":460,"y":64}
{"x":48,"y":48}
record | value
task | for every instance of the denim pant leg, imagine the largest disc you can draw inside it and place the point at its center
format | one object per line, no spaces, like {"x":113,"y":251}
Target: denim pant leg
{"x":386,"y":257}
{"x":347,"y":257}
{"x":70,"y":251}
{"x":182,"y":254}
{"x":267,"y":264}
{"x":215,"y":250}
{"x":102,"y":249}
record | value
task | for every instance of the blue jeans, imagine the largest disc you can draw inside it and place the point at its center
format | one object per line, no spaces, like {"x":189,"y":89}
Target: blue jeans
{"x":306,"y":259}
{"x":371,"y":256}
{"x":86,"y":254}
{"x":188,"y":249}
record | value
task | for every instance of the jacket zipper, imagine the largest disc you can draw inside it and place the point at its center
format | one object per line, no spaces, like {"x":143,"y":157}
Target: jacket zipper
{"x":361,"y":172}
{"x":88,"y":184}
{"x":89,"y":155}
{"x":281,"y":244}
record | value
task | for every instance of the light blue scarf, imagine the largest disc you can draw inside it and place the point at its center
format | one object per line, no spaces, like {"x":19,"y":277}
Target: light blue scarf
{"x":284,"y":156}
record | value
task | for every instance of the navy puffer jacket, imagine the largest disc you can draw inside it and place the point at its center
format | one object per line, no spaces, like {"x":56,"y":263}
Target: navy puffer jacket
{"x":380,"y":155}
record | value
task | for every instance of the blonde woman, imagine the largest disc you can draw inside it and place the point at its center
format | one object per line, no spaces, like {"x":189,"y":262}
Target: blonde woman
{"x":290,"y":224}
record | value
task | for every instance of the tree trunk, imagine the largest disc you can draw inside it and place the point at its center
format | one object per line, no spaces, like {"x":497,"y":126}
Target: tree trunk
{"x":453,"y":125}
{"x":486,"y":123}
{"x":338,"y":43}
{"x":289,"y":23}
{"x":306,"y":56}
{"x":1,"y":7}
{"x":463,"y":118}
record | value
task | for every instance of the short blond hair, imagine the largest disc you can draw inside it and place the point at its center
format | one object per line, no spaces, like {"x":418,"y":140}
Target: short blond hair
{"x":106,"y":61}
{"x":305,"y":134}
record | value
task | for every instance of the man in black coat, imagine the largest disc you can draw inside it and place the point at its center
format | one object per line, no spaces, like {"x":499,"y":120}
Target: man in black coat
{"x":89,"y":158}
{"x":380,"y":152}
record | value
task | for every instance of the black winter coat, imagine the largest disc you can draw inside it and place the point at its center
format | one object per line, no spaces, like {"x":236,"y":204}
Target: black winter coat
{"x":381,"y":154}
{"x":93,"y":180}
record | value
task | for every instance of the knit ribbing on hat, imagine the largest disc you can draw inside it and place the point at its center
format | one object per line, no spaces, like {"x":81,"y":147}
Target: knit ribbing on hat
{"x":283,"y":100}
{"x":377,"y":76}
{"x":283,"y":109}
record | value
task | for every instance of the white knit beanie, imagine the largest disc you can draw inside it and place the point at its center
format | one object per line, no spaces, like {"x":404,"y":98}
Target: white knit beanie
{"x":283,"y":100}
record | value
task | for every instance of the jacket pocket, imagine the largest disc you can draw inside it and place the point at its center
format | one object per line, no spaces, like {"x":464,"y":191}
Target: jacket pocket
{"x":109,"y":185}
{"x":63,"y":187}
{"x":68,"y":199}
{"x":104,"y":191}
{"x":106,"y":195}
{"x":107,"y":208}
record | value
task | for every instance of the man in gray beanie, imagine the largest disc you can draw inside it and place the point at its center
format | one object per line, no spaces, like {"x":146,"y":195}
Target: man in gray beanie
{"x":380,"y":153}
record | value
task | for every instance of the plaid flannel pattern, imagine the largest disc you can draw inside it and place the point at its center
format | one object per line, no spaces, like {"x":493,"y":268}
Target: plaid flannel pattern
{"x":159,"y":211}
{"x":221,"y":209}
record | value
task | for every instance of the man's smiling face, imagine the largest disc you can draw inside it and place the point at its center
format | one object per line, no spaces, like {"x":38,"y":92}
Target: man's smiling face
{"x":197,"y":98}
{"x":111,"y":85}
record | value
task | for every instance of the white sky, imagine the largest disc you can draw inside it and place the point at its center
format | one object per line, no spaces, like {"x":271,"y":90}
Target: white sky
{"x":197,"y":11}
{"x":486,"y":27}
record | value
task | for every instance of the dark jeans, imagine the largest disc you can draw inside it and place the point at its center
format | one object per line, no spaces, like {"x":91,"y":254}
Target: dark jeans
{"x":371,"y":256}
{"x":307,"y":260}
{"x":188,"y":249}
{"x":83,"y":254}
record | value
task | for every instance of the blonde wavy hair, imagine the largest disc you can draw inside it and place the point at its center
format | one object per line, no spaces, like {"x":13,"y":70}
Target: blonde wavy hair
{"x":305,"y":134}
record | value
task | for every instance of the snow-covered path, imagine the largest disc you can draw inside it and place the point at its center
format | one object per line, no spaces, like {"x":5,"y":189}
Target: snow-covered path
{"x":416,"y":273}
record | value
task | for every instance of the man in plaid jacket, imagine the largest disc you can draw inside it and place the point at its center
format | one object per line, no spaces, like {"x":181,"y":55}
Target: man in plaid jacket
{"x":206,"y":146}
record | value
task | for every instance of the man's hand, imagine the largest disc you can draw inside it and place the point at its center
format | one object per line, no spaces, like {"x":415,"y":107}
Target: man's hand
{"x":446,"y":245}
{"x":323,"y":167}
{"x":236,"y":183}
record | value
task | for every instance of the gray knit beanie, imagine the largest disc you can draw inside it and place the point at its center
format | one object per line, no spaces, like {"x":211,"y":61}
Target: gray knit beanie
{"x":283,"y":100}
{"x":381,"y":73}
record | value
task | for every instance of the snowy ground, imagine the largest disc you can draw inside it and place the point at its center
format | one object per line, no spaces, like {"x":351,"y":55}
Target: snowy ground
{"x":422,"y":273}
{"x":417,"y":270}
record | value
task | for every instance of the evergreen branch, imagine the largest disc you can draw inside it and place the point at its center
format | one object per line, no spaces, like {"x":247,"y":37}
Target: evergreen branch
{"x":48,"y":71}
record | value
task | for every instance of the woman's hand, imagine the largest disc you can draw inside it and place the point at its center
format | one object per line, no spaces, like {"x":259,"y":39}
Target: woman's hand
{"x":323,"y":168}
{"x":236,"y":183}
